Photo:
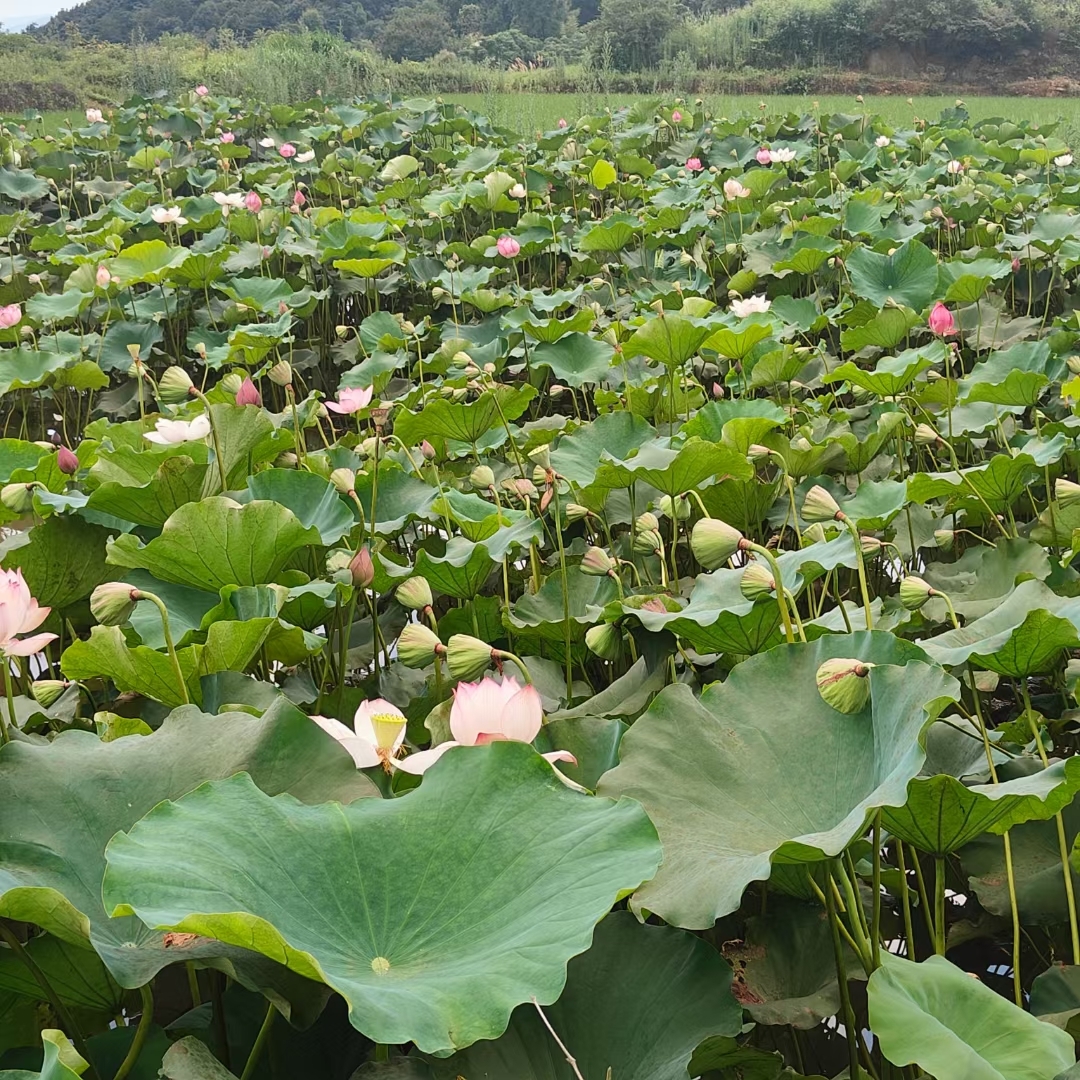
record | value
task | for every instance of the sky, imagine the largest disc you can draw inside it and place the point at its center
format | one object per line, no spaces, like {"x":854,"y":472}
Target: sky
{"x":17,"y":13}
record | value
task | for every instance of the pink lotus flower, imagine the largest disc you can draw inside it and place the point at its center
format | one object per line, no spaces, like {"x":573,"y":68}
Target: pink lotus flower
{"x":228,"y":137}
{"x":201,"y":90}
{"x":253,"y":202}
{"x":486,"y":712}
{"x":562,"y":122}
{"x":287,"y":150}
{"x":376,"y":736}
{"x":351,"y":399}
{"x":764,"y":156}
{"x":248,"y":394}
{"x":93,"y":116}
{"x":10,"y":316}
{"x":941,"y":320}
{"x":66,"y":461}
{"x":298,"y":199}
{"x":507,"y":247}
{"x":518,"y":191}
{"x":676,"y":117}
{"x":733,"y":189}
{"x":693,"y":164}
{"x":102,"y":277}
{"x":19,"y":614}
{"x":1016,"y":264}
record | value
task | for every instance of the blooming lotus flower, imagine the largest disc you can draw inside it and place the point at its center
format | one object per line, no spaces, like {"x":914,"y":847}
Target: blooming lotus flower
{"x":733,"y":189}
{"x":168,"y":215}
{"x":201,"y":90}
{"x":93,"y":116}
{"x":518,"y":191}
{"x":676,"y":117}
{"x":102,"y":277}
{"x":351,"y":399}
{"x":941,"y":320}
{"x":287,"y":150}
{"x":229,"y":200}
{"x":783,"y":155}
{"x":764,"y":156}
{"x":1064,"y":161}
{"x":881,"y":142}
{"x":507,"y":247}
{"x":376,"y":735}
{"x":252,"y":202}
{"x":750,"y":306}
{"x":266,"y":143}
{"x":248,"y":394}
{"x":954,"y":168}
{"x":562,"y":122}
{"x":228,"y":137}
{"x":305,"y":157}
{"x":486,"y":712}
{"x":179,"y":431}
{"x":10,"y":316}
{"x":19,"y":614}
{"x":693,"y":164}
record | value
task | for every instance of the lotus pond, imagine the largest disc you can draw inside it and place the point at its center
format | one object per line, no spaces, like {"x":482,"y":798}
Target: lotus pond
{"x":600,"y":607}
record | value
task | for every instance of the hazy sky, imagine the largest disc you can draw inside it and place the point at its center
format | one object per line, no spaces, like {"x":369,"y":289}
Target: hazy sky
{"x":19,"y":9}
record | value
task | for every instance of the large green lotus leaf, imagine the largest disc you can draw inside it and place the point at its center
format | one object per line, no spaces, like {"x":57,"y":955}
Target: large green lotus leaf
{"x":146,"y":262}
{"x":218,"y":542}
{"x":1055,"y":996}
{"x":936,"y":1016}
{"x":892,"y":375}
{"x":575,"y":358}
{"x":908,"y":276}
{"x":702,"y":767}
{"x":628,"y":695}
{"x":22,"y":185}
{"x":62,"y":801}
{"x":983,"y":577}
{"x":188,"y":610}
{"x":247,"y":439}
{"x":61,"y":1060}
{"x":723,"y":1058}
{"x":190,"y":1059}
{"x":148,"y":488}
{"x":400,"y":498}
{"x":63,"y":561}
{"x":669,"y":339}
{"x":313,"y":500}
{"x":434,"y":915}
{"x":673,"y":470}
{"x":756,"y":417}
{"x":869,"y":439}
{"x":26,"y":367}
{"x":1022,"y":635}
{"x":737,"y":342}
{"x":75,"y":972}
{"x":1001,"y":481}
{"x":616,"y":435}
{"x":466,"y":422}
{"x":635,"y":1005}
{"x":941,"y":815}
{"x":550,"y":331}
{"x":593,"y":740}
{"x":875,"y":503}
{"x":18,"y":454}
{"x":543,"y":611}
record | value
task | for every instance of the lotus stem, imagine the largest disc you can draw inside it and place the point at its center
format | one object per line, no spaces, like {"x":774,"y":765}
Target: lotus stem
{"x":141,"y":1033}
{"x":939,"y":905}
{"x":174,"y":659}
{"x":567,"y":633}
{"x":875,"y":921}
{"x":260,"y":1043}
{"x":781,"y":595}
{"x":905,"y":901}
{"x":12,"y":722}
{"x":850,"y":1029}
{"x":502,"y":654}
{"x":860,"y":565}
{"x":219,"y":458}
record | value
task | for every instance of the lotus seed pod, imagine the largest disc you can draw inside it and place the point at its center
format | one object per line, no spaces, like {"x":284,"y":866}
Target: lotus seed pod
{"x":914,"y":592}
{"x":944,"y":538}
{"x":598,"y":563}
{"x":112,"y":603}
{"x":757,"y":452}
{"x":870,"y":545}
{"x":18,"y":498}
{"x":1066,"y":492}
{"x":281,"y":373}
{"x":819,"y":505}
{"x":648,"y":542}
{"x":756,"y":582}
{"x":677,"y":509}
{"x":714,"y":542}
{"x":47,"y":691}
{"x":539,"y":475}
{"x":231,"y":383}
{"x":344,"y":480}
{"x":647,"y":522}
{"x":541,"y":456}
{"x":174,"y":386}
{"x":482,"y":477}
{"x":133,"y":352}
{"x":418,"y":646}
{"x":844,"y":684}
{"x":815,"y":534}
{"x":414,"y":594}
{"x":604,"y":640}
{"x":1073,"y":364}
{"x":575,"y":512}
{"x":468,"y":657}
{"x":925,"y":435}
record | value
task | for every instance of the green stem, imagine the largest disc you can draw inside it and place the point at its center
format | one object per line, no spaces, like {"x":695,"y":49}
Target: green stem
{"x":781,"y":595}
{"x":193,"y":984}
{"x":875,"y":921}
{"x":905,"y":901}
{"x":9,"y":691}
{"x":939,"y":904}
{"x":860,"y":564}
{"x":567,"y":634}
{"x":218,"y":456}
{"x":841,"y":979}
{"x":141,"y":1032}
{"x":162,"y":611}
{"x":260,"y":1043}
{"x":502,"y":654}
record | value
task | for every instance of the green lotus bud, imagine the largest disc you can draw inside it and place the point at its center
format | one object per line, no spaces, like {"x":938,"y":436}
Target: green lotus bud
{"x":598,"y":563}
{"x":677,"y":509}
{"x":714,"y":542}
{"x":112,"y":603}
{"x":174,"y":386}
{"x":756,"y":582}
{"x":844,"y":684}
{"x":418,"y":645}
{"x":414,"y":594}
{"x":819,"y":505}
{"x":604,"y":640}
{"x":649,"y":542}
{"x":468,"y":657}
{"x":482,"y":477}
{"x":647,"y":522}
{"x":575,"y":512}
{"x":344,"y":480}
{"x":47,"y":691}
{"x":281,"y":373}
{"x":914,"y":592}
{"x":18,"y":498}
{"x":1066,"y":492}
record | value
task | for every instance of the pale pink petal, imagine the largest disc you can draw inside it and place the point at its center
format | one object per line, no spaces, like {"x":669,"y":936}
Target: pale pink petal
{"x":560,"y":755}
{"x":363,"y":752}
{"x":522,"y":715}
{"x":478,"y":708}
{"x":28,"y":646}
{"x":418,"y":764}
{"x":333,"y":406}
{"x":157,"y":437}
{"x":33,"y":618}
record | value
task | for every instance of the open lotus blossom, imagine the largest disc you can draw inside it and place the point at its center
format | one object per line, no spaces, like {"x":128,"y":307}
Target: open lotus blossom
{"x":562,"y":122}
{"x":733,"y":189}
{"x":252,"y":202}
{"x":102,"y":277}
{"x":485,"y":712}
{"x":10,"y":315}
{"x":783,"y":154}
{"x":941,"y":320}
{"x":19,"y":614}
{"x":305,"y":157}
{"x":229,"y":200}
{"x":693,"y":164}
{"x":93,"y":116}
{"x":351,"y":399}
{"x":518,"y":191}
{"x":764,"y":156}
{"x":228,"y":137}
{"x":376,"y":735}
{"x":179,"y":431}
{"x":201,"y":90}
{"x":266,"y":142}
{"x":750,"y":306}
{"x":1064,"y":161}
{"x":881,"y":142}
{"x":287,"y":150}
{"x":507,"y":247}
{"x":168,"y":215}
{"x":954,"y":168}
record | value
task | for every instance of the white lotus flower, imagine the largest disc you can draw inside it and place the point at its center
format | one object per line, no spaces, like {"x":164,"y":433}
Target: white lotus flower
{"x":266,"y":143}
{"x":752,"y":305}
{"x":376,"y":735}
{"x":168,"y":215}
{"x":518,"y":191}
{"x":1064,"y":161}
{"x":305,"y":157}
{"x":733,"y":189}
{"x":93,"y":116}
{"x":881,"y":142}
{"x":783,"y":155}
{"x":232,"y":200}
{"x":954,"y":168}
{"x":179,"y":431}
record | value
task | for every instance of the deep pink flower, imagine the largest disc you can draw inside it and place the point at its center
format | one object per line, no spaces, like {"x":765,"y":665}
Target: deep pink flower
{"x":201,"y":90}
{"x":693,"y":164}
{"x":351,"y":399}
{"x":1016,"y":264}
{"x":228,"y":137}
{"x":253,"y":202}
{"x":287,"y":150}
{"x":562,"y":122}
{"x":941,"y":320}
{"x":10,"y":316}
{"x":19,"y":614}
{"x":248,"y":394}
{"x":676,"y":117}
{"x":66,"y":461}
{"x":298,"y":199}
{"x":764,"y":156}
{"x":507,"y":247}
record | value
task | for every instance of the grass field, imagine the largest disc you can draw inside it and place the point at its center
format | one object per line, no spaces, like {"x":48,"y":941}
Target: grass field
{"x":527,"y":112}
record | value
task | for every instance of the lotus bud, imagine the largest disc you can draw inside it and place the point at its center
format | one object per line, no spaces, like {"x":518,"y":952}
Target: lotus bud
{"x":482,"y":477}
{"x":605,"y":641}
{"x":914,"y":592}
{"x":418,"y":645}
{"x":468,"y":657}
{"x":844,"y":684}
{"x":47,"y":691}
{"x":112,"y":603}
{"x":677,"y":509}
{"x":18,"y":498}
{"x":575,"y":512}
{"x":647,"y":522}
{"x":427,"y":450}
{"x":66,"y":461}
{"x":362,"y":569}
{"x":756,"y":582}
{"x":598,"y":563}
{"x":463,"y":359}
{"x":248,"y":394}
{"x":925,"y":435}
{"x":174,"y":386}
{"x":714,"y":542}
{"x":757,"y":452}
{"x":648,"y":542}
{"x":819,"y":505}
{"x":281,"y":373}
{"x":944,"y":538}
{"x":414,"y":594}
{"x":1066,"y":492}
{"x":344,"y":480}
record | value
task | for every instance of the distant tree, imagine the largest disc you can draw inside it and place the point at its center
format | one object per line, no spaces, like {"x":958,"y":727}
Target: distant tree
{"x":415,"y":33}
{"x":636,"y":30}
{"x":312,"y":19}
{"x":537,"y":18}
